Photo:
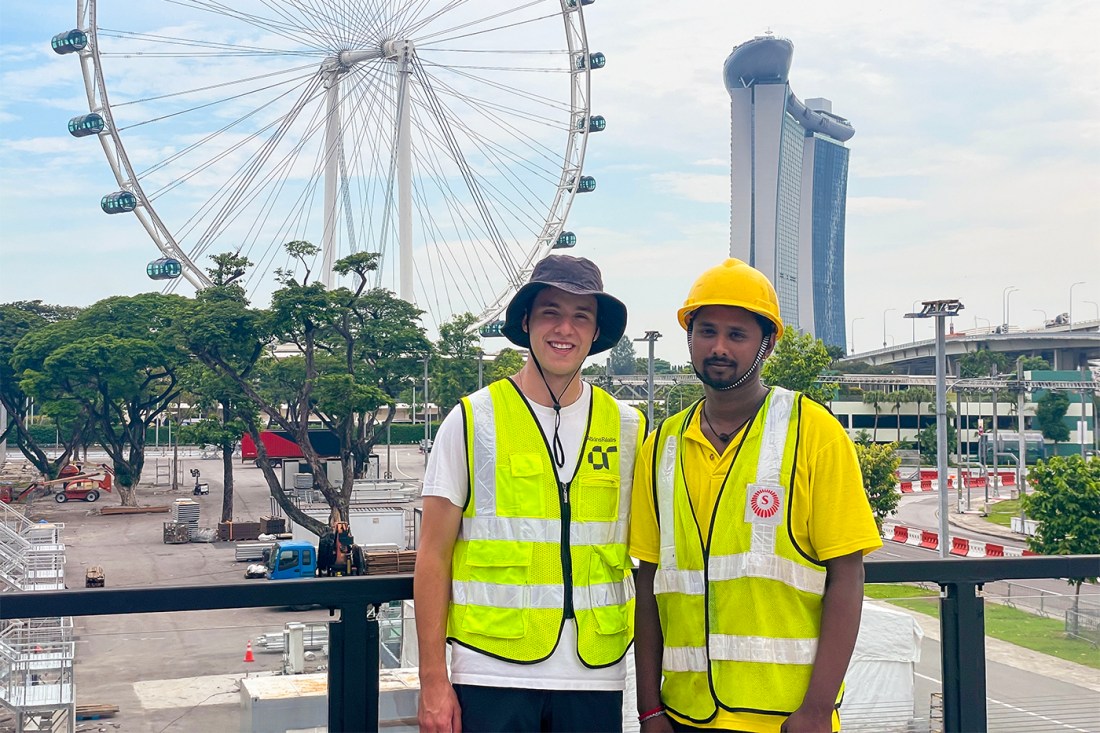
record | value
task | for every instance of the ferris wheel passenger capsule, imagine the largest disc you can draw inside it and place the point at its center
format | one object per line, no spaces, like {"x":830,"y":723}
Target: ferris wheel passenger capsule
{"x":573,"y":3}
{"x":565,"y":241}
{"x":166,"y":268}
{"x":492,"y":330}
{"x":592,"y":61}
{"x":85,"y":125}
{"x":597,"y":123}
{"x":119,"y":202}
{"x":587,"y":184}
{"x":69,"y":41}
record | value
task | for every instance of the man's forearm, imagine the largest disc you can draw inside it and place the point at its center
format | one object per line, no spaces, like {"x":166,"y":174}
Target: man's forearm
{"x":431,"y":594}
{"x":842,"y":607}
{"x":648,"y":640}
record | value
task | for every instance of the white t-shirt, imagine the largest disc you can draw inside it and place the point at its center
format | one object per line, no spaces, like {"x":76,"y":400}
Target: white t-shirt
{"x":447,"y":476}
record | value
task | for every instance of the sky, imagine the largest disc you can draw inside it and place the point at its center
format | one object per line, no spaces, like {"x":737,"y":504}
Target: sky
{"x":973,"y":170}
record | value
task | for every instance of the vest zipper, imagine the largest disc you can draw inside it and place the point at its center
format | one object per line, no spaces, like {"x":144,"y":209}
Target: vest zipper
{"x":566,"y":550}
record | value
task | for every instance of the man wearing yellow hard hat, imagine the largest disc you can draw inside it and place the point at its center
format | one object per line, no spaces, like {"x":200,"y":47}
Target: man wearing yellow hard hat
{"x":750,"y":523}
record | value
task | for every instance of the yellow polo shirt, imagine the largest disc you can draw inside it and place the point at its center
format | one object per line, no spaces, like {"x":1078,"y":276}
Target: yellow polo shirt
{"x":830,"y":515}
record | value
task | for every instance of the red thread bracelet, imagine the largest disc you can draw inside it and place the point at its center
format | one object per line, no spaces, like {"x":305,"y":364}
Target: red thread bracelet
{"x":651,"y":714}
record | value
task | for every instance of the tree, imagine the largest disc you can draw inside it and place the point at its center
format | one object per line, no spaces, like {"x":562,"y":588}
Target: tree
{"x":875,"y":398}
{"x":879,"y":465}
{"x":1065,"y":503}
{"x":660,"y":366}
{"x":1050,"y":416}
{"x":897,"y":398}
{"x":455,"y":368}
{"x":622,"y":355}
{"x":926,"y":438}
{"x":920,"y":395}
{"x":1034,"y":364}
{"x":507,"y":362}
{"x":71,"y":423}
{"x":117,"y":362}
{"x":982,"y":363}
{"x":355,"y":350}
{"x":797,"y":363}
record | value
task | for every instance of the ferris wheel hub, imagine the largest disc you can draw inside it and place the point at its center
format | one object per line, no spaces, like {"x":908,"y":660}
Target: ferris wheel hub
{"x":394,"y":49}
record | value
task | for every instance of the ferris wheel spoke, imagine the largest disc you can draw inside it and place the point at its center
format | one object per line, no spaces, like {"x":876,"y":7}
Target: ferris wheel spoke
{"x":162,"y":40}
{"x":473,"y":23}
{"x":289,"y":31}
{"x":467,"y":173}
{"x":539,"y":99}
{"x":415,"y":27}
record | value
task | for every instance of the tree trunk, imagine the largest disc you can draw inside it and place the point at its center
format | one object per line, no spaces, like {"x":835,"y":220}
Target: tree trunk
{"x":276,"y":489}
{"x":874,"y":428}
{"x":227,"y":481}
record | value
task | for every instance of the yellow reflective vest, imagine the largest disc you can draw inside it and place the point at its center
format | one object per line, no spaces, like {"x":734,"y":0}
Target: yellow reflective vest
{"x":739,"y":601}
{"x":532,"y":551}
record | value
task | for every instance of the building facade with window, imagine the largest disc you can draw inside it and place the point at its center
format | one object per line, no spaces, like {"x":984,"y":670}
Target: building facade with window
{"x":789,"y":180}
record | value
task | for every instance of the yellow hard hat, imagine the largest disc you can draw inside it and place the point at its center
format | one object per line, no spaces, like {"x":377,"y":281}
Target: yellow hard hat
{"x":734,"y":283}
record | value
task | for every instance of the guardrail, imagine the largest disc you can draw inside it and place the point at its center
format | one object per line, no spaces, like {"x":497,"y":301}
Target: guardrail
{"x":354,"y":637}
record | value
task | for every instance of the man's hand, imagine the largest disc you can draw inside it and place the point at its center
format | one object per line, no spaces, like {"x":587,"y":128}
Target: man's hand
{"x":660,"y":724}
{"x":438,"y":711}
{"x":807,"y":720}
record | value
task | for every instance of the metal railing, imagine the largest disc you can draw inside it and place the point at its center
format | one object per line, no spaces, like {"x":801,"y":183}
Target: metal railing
{"x":353,"y":685}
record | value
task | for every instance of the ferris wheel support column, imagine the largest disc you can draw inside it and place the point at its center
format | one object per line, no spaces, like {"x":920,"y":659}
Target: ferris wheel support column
{"x":403,"y":51}
{"x":332,"y":174}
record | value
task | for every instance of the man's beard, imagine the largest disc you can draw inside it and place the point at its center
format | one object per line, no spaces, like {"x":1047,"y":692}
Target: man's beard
{"x":713,"y":383}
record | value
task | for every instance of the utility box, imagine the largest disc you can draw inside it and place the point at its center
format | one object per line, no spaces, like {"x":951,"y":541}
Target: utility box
{"x":373,"y":527}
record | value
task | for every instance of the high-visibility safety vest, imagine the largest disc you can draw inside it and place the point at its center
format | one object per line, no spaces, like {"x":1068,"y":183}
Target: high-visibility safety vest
{"x":532,"y":551}
{"x":739,"y":601}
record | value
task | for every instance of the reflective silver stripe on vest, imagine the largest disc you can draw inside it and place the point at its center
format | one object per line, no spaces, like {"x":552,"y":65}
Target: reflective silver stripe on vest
{"x":743,"y":565}
{"x":541,"y":596}
{"x":773,"y":567}
{"x":526,"y":529}
{"x":774,"y":437}
{"x":507,"y":596}
{"x":666,"y":501}
{"x":726,"y":648}
{"x":485,"y":453}
{"x":629,"y":422}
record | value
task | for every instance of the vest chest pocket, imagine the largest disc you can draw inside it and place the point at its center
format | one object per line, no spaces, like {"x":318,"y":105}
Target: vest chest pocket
{"x":596,"y":498}
{"x":498,"y":571}
{"x":607,"y":591}
{"x":522,"y":492}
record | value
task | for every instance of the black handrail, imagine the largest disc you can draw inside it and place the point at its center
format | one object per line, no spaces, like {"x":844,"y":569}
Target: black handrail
{"x":353,"y":638}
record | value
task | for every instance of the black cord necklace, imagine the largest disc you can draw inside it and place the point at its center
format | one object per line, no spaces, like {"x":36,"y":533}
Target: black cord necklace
{"x":724,"y":437}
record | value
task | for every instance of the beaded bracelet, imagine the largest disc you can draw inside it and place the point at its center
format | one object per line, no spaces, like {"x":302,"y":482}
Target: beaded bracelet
{"x":651,"y":714}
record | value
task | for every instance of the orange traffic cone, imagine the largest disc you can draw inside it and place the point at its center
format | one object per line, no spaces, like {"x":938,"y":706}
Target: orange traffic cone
{"x":248,"y":652}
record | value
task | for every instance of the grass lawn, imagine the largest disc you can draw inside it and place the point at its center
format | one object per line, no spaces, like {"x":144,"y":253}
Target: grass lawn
{"x":1002,"y":512}
{"x":1044,"y":635}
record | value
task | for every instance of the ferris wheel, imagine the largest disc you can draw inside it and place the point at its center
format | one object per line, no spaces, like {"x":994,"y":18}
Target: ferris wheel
{"x":448,"y":136}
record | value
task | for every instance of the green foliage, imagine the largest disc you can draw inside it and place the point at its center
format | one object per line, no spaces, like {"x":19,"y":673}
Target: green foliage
{"x":1034,"y":364}
{"x":797,"y":362}
{"x":861,"y":367}
{"x":876,"y":399}
{"x":623,"y":357}
{"x":454,"y":370}
{"x":1049,"y":416}
{"x":678,"y":397}
{"x":926,"y":440}
{"x":1065,"y":502}
{"x":506,"y":363}
{"x":878,"y":465}
{"x":982,"y":363}
{"x":660,"y":366}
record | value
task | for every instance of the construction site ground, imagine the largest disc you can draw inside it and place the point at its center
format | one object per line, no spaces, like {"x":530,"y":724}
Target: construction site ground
{"x":181,"y":671}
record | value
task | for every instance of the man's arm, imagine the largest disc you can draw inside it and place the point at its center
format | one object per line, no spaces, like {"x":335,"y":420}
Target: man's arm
{"x":842,"y":606}
{"x":648,"y":648}
{"x":439,"y":710}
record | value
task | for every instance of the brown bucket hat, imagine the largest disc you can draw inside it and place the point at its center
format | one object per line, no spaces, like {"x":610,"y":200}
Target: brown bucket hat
{"x":575,"y":275}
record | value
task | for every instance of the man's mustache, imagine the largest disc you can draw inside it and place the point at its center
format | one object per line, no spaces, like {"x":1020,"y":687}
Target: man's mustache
{"x":719,"y":363}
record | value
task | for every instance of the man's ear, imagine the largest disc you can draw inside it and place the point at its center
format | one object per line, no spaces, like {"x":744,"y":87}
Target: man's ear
{"x":523,"y":323}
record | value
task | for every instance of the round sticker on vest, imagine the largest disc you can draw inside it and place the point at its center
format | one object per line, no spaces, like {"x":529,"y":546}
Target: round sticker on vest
{"x":764,"y":504}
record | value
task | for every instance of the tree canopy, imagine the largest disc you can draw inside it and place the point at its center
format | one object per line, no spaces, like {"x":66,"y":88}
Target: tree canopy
{"x":1050,"y":413}
{"x":797,"y":362}
{"x":879,"y":465}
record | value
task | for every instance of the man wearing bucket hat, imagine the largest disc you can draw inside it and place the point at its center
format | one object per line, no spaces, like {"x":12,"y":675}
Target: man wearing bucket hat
{"x":523,"y":566}
{"x":750,"y":522}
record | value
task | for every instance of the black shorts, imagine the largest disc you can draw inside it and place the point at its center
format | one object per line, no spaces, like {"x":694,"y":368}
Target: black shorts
{"x":510,"y":710}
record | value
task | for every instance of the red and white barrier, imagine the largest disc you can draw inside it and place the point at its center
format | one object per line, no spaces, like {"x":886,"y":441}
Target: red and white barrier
{"x":960,"y":546}
{"x":929,"y":482}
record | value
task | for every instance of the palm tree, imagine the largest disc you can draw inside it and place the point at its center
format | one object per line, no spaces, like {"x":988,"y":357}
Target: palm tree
{"x":874,"y":398}
{"x":921,"y":395}
{"x":897,"y":398}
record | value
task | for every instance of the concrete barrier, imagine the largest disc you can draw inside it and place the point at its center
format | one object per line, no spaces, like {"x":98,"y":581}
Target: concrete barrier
{"x":960,"y":546}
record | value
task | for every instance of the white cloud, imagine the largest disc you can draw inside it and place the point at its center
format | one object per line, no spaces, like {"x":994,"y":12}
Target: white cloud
{"x":878,"y":205}
{"x":701,"y":187}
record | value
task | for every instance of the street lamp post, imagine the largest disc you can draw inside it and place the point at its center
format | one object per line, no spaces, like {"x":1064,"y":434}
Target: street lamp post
{"x":853,"y":331}
{"x":1040,"y":310}
{"x":1095,"y":305}
{"x":1071,"y":287}
{"x":941,"y":310}
{"x":888,"y":310}
{"x":913,"y":309}
{"x":1006,"y":296}
{"x":651,"y":337}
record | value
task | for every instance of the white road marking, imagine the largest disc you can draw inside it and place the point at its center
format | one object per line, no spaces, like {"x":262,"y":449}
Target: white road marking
{"x":1018,"y":709}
